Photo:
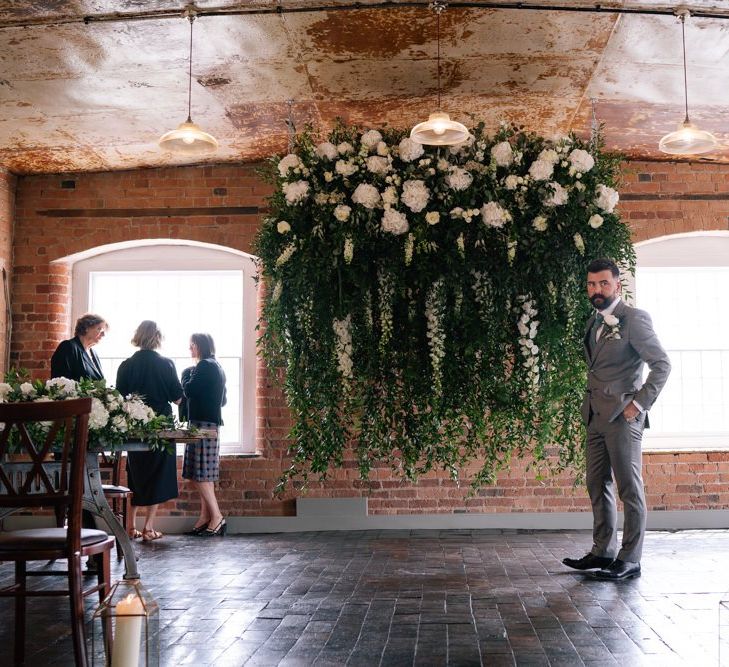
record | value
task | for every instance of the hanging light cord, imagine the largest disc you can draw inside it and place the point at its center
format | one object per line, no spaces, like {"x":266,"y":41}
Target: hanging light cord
{"x":438,"y":6}
{"x":191,"y":18}
{"x":685,"y":79}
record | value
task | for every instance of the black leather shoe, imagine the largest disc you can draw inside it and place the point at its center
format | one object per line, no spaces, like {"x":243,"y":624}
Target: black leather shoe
{"x":197,"y":531}
{"x":588,"y":562}
{"x":617,"y":571}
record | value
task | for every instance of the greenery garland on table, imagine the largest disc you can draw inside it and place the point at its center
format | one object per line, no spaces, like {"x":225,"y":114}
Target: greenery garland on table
{"x":426,"y":305}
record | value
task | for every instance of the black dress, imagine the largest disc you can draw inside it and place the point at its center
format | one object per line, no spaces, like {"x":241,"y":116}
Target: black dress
{"x":152,"y":476}
{"x":71,"y":361}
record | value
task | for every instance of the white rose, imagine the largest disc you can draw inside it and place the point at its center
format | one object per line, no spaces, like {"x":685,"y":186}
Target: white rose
{"x":377,"y":164}
{"x":5,"y":389}
{"x":432,"y":217}
{"x":548,"y":155}
{"x":289,"y":161}
{"x":342,"y":212}
{"x":296,"y":192}
{"x":345,"y":167}
{"x":581,"y":160}
{"x":595,"y":221}
{"x":502,"y":154}
{"x":382,"y":149}
{"x":370,"y":139}
{"x":494,"y":215}
{"x":283,"y":227}
{"x":511,"y":181}
{"x":540,"y":223}
{"x":394,"y":222}
{"x":541,"y":170}
{"x":327,"y":150}
{"x":558,"y":197}
{"x":345,"y":148}
{"x":611,"y":320}
{"x":367,"y":195}
{"x":458,"y":179}
{"x":607,"y":198}
{"x":410,"y":150}
{"x":415,"y":195}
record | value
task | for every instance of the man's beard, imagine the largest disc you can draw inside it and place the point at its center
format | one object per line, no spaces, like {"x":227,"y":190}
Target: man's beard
{"x":601,"y":302}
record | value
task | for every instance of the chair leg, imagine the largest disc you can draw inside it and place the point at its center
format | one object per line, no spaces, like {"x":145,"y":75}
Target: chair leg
{"x":103,"y":566}
{"x":77,"y":610}
{"x":20,"y":583}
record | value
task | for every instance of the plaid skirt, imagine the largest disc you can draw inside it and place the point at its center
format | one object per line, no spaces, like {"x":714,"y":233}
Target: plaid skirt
{"x":202,"y":460}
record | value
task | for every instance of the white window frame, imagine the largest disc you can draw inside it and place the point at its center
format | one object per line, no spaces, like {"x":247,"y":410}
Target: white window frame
{"x":171,"y":255}
{"x":693,"y":249}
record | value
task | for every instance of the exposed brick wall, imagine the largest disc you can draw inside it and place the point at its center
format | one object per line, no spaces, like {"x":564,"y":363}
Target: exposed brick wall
{"x":41,"y":312}
{"x":7,"y":218}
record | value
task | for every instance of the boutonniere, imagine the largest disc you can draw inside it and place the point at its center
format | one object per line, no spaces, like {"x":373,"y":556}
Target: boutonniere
{"x":613,"y":323}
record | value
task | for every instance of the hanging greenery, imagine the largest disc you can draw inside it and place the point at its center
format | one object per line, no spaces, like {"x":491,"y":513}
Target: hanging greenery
{"x":426,"y":305}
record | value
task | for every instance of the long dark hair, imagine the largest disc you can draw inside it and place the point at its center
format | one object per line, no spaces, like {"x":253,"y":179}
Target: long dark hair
{"x":205,"y":345}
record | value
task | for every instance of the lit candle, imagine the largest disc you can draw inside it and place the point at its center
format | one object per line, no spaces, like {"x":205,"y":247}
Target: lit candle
{"x":129,"y":612}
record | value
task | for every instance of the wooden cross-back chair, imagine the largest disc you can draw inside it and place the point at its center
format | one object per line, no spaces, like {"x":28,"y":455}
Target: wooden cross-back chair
{"x":118,"y":496}
{"x":56,"y":484}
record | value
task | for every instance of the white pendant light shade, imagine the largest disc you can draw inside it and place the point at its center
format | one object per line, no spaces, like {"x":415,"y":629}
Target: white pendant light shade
{"x":439,"y":130}
{"x":188,"y":139}
{"x":688,"y":140}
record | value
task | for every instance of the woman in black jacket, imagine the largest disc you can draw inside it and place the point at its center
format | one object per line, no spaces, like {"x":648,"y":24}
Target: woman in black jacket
{"x":74,"y":359}
{"x":204,"y":390}
{"x":152,"y":475}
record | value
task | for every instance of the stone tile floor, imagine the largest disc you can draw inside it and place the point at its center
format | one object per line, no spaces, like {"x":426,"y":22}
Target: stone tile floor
{"x":425,"y":597}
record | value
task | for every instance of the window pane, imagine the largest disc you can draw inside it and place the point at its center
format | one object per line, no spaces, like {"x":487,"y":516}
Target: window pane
{"x":182,"y":303}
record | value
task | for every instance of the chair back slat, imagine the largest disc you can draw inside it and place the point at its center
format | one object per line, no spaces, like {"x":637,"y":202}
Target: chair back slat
{"x":36,"y":482}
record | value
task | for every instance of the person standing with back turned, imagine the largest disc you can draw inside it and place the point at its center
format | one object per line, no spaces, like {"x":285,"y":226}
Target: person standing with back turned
{"x":619,"y":340}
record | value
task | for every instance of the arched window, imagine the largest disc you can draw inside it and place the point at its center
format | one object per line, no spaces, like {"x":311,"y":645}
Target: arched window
{"x":683,"y":282}
{"x":185,"y":288}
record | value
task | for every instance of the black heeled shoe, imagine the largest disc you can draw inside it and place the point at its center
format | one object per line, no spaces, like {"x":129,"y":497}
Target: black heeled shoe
{"x":197,"y":530}
{"x":218,"y":531}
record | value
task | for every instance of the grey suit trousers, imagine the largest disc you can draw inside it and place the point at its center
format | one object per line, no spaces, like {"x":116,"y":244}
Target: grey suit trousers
{"x":615,"y":448}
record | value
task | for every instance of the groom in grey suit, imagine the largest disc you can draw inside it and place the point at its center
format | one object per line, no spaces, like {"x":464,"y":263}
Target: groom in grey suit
{"x":619,"y":340}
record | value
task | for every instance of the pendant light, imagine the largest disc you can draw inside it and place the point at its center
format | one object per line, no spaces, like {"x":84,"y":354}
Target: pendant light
{"x":439,"y":129}
{"x":188,"y":138}
{"x":687,"y":139}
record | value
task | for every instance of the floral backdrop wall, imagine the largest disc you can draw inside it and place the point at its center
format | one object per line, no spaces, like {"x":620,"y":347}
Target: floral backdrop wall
{"x":425,"y":306}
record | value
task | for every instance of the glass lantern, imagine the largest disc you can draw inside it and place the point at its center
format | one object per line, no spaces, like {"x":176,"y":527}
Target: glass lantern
{"x":125,"y":628}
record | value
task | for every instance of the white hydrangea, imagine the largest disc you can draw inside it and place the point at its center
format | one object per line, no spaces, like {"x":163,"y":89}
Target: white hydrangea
{"x":389,"y":196}
{"x":558,"y":197}
{"x":63,"y":386}
{"x":5,"y":389}
{"x":345,"y":167}
{"x":548,"y":155}
{"x":27,"y":389}
{"x":494,"y":215}
{"x":458,"y":179}
{"x":371,"y":139}
{"x":415,"y":195}
{"x":367,"y":195}
{"x":137,"y":410}
{"x":378,"y":164}
{"x":511,"y":181}
{"x":394,"y":222}
{"x":345,"y":148}
{"x":287,"y":162}
{"x":581,"y":160}
{"x":296,"y":192}
{"x":502,"y":154}
{"x":327,"y":150}
{"x":432,"y":217}
{"x":342,"y":212}
{"x":595,"y":221}
{"x":410,"y":150}
{"x":607,"y":198}
{"x":540,"y":223}
{"x":541,"y":170}
{"x":283,"y":227}
{"x":99,"y":416}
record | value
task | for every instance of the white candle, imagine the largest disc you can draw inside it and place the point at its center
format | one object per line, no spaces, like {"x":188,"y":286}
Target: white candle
{"x":129,"y":612}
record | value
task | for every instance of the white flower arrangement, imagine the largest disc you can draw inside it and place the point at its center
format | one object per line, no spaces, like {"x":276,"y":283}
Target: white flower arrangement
{"x":377,"y":164}
{"x":367,"y":195}
{"x":415,"y":195}
{"x":502,"y":154}
{"x":371,"y":139}
{"x":558,"y":195}
{"x":595,"y":221}
{"x":296,"y":192}
{"x":342,"y":212}
{"x":287,"y":163}
{"x":432,"y":217}
{"x":541,"y":170}
{"x":394,"y":222}
{"x":410,"y":150}
{"x":607,"y":198}
{"x":540,"y":223}
{"x":327,"y":151}
{"x":494,"y":215}
{"x":458,"y":179}
{"x":345,"y":167}
{"x":581,"y":161}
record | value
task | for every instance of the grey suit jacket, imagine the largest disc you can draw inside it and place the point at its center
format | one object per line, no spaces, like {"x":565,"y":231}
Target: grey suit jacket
{"x":615,"y":367}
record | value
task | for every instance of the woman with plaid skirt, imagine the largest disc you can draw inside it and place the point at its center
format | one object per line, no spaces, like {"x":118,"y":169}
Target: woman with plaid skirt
{"x":204,"y":389}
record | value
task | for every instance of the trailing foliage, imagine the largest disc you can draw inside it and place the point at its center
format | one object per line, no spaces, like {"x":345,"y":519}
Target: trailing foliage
{"x":426,"y":306}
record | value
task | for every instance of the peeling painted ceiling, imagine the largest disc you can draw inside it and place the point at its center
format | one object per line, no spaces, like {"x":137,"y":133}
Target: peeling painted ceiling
{"x":92,"y":84}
